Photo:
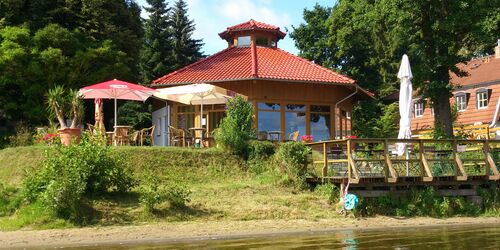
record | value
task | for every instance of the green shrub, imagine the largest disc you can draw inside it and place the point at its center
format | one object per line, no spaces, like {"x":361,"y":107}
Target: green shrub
{"x":23,"y":137}
{"x":236,"y":128}
{"x":330,"y":191}
{"x":258,"y":150}
{"x":69,"y":173}
{"x":9,"y":200}
{"x":292,"y":158}
{"x":153,"y":193}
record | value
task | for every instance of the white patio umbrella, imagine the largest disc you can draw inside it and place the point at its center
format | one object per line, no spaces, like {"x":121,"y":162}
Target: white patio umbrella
{"x":196,"y":94}
{"x":405,"y":103}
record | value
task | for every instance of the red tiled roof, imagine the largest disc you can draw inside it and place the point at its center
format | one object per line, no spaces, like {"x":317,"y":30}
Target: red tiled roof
{"x":480,"y":70}
{"x":235,"y":63}
{"x":251,"y":25}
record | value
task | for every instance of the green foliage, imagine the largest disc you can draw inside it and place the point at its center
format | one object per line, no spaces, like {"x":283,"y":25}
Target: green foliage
{"x":260,"y":149}
{"x":330,"y":191}
{"x":65,"y":104}
{"x":376,"y":120}
{"x":292,"y":158}
{"x":23,"y":137}
{"x":135,"y":114}
{"x":418,"y":203}
{"x":365,"y":40}
{"x":70,"y":173}
{"x":236,"y":129}
{"x":9,"y":200}
{"x":156,"y":58}
{"x":153,"y":193}
{"x":186,"y":50}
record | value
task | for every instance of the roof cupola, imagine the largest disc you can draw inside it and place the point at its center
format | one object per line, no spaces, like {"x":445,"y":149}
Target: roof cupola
{"x":261,"y":34}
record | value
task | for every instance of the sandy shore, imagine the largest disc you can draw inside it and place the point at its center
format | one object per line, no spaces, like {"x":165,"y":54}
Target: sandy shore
{"x":166,"y":232}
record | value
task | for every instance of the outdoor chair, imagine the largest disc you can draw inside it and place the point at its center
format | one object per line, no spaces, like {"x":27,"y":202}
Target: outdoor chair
{"x":262,"y":136}
{"x":121,"y":137}
{"x":177,"y":136}
{"x":134,"y":140}
{"x":294,"y":136}
{"x":147,"y":133}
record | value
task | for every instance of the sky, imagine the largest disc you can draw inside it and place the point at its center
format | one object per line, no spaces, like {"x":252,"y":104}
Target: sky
{"x":214,"y":16}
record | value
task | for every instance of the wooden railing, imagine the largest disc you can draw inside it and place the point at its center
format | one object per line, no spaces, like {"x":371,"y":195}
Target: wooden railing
{"x":482,"y":131}
{"x":356,"y":159}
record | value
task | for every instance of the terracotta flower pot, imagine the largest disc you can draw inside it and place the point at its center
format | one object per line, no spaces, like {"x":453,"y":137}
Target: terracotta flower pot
{"x":67,"y":135}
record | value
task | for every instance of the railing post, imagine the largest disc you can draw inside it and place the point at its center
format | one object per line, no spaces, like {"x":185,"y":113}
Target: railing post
{"x":349,"y":159}
{"x":325,"y":161}
{"x":461,"y":175}
{"x":490,"y":163}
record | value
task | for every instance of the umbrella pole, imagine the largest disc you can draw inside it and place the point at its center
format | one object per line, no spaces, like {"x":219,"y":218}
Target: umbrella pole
{"x":201,"y":122}
{"x":116,"y":115}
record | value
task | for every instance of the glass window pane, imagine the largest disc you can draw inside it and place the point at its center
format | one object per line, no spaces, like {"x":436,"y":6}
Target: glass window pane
{"x":320,"y":126}
{"x":316,"y":108}
{"x":243,"y":41}
{"x":295,"y":121}
{"x":185,"y":109}
{"x":185,"y":121}
{"x":268,"y":106}
{"x":295,"y":107}
{"x":269,"y":121}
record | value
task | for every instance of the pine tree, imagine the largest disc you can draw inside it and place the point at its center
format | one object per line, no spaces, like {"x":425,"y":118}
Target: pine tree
{"x":186,"y":50}
{"x":157,"y":49}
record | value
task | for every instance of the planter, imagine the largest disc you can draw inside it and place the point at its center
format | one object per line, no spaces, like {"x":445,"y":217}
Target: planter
{"x":69,"y":135}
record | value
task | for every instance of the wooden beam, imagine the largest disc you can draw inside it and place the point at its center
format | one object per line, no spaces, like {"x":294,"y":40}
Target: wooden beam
{"x":490,"y":162}
{"x":351,"y":163}
{"x":459,"y":166}
{"x":426,"y":170}
{"x":392,"y":175}
{"x":325,"y":161}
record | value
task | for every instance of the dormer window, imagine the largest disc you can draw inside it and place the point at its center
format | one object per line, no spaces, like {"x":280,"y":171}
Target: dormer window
{"x":262,"y":41}
{"x":482,"y":98}
{"x":419,"y":108}
{"x":244,"y":41}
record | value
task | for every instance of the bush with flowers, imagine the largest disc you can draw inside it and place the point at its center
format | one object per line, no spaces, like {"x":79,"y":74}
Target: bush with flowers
{"x":307,"y":138}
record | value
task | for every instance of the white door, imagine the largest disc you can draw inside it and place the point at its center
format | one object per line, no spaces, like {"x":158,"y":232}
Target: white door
{"x":161,"y":122}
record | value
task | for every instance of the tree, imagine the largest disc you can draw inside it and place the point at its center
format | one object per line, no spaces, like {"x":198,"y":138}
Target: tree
{"x":366,"y":40}
{"x":186,"y":50}
{"x":157,"y":44}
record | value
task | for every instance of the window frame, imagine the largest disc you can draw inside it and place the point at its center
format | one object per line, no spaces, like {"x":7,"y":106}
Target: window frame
{"x":416,"y":105}
{"x":479,"y":93}
{"x":465,"y":101}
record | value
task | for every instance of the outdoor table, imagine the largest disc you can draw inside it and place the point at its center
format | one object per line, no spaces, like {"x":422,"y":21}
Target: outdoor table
{"x":195,"y":134}
{"x":274,"y":135}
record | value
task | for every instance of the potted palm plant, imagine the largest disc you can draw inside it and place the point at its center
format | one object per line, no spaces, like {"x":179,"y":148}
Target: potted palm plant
{"x":66,"y":106}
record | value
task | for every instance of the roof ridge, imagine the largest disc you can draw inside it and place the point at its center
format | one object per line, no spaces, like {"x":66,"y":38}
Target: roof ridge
{"x":191,"y":65}
{"x":330,"y":71}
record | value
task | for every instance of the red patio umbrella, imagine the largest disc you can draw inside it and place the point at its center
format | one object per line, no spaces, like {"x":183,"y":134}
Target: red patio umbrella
{"x":116,"y":89}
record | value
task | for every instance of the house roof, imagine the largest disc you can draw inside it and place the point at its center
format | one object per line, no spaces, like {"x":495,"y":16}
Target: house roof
{"x":251,"y":25}
{"x":237,"y":63}
{"x":479,"y":70}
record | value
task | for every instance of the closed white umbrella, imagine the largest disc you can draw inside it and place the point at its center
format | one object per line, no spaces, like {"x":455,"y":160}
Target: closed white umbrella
{"x":405,"y":103}
{"x":196,"y":94}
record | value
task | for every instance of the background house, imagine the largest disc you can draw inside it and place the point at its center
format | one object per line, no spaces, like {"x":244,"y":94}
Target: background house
{"x":476,"y":96}
{"x":289,"y":93}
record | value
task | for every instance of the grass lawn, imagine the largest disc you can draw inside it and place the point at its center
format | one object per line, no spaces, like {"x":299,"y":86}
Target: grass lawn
{"x":221,"y":189}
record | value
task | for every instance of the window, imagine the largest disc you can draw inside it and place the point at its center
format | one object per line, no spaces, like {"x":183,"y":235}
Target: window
{"x":269,"y":115}
{"x":261,"y":41}
{"x":482,"y":99}
{"x":185,"y":117}
{"x":295,"y":119}
{"x":244,"y":41}
{"x":419,"y":108}
{"x":320,"y":122}
{"x":461,"y":102}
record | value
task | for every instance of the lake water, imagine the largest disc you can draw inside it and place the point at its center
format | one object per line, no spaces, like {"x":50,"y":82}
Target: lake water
{"x":449,"y":237}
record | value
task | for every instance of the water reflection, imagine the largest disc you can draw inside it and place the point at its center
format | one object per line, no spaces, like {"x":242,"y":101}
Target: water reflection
{"x":468,"y":237}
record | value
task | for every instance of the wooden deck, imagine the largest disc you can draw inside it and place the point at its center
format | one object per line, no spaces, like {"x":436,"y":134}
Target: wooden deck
{"x":373,"y":168}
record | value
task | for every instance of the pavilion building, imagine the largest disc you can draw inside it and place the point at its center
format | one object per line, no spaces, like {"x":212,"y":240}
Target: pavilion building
{"x":289,"y":93}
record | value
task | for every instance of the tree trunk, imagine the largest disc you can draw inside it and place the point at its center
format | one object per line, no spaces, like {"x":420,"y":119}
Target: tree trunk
{"x":443,"y":120}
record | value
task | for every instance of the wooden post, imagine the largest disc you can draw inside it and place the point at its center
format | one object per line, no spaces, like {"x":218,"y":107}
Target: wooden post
{"x":325,"y":161}
{"x":349,"y":158}
{"x":352,"y":164}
